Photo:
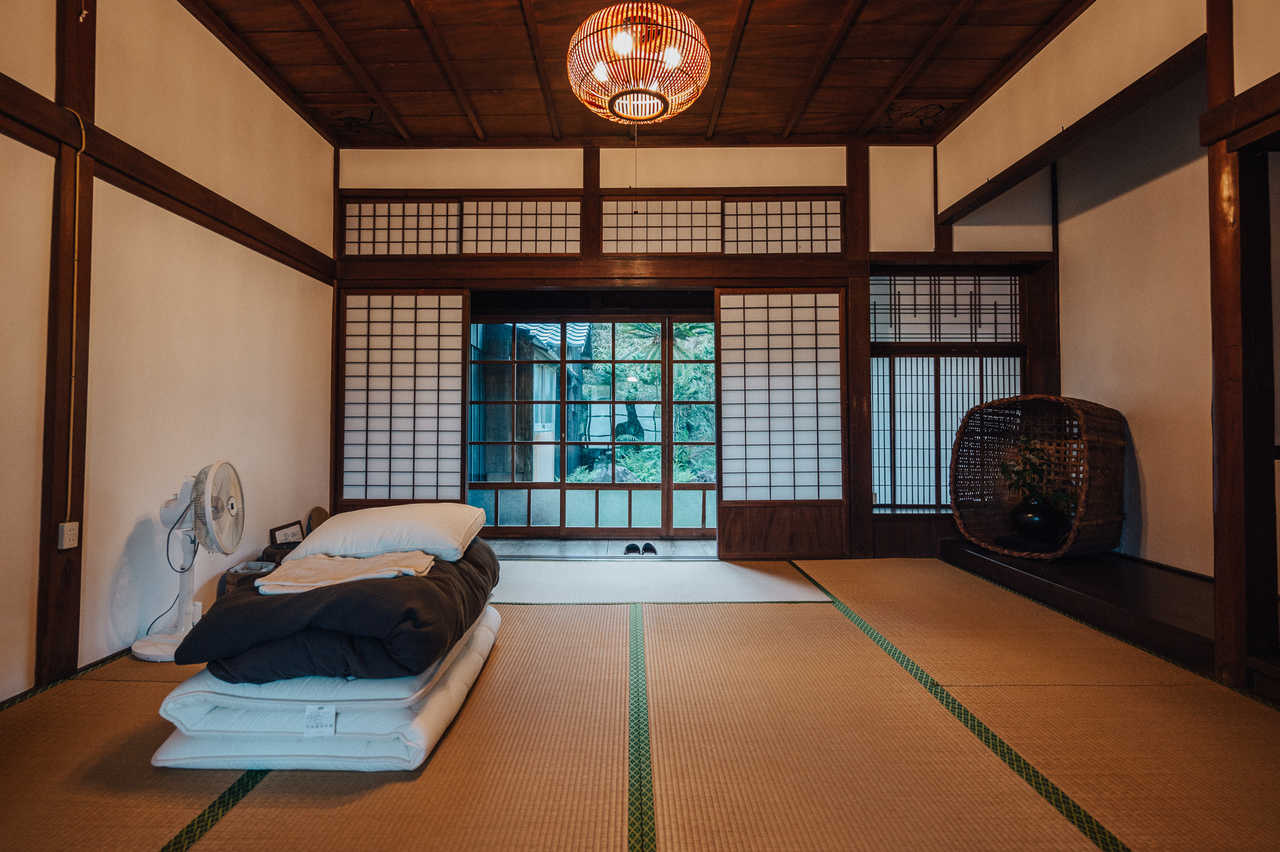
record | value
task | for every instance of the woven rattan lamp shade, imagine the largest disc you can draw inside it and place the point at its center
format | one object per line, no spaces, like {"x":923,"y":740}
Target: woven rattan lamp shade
{"x":638,"y":63}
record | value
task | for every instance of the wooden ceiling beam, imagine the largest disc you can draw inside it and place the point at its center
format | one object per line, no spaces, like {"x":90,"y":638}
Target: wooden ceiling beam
{"x":848,"y":17}
{"x":335,"y":42}
{"x":419,"y":9}
{"x":535,"y":47}
{"x":731,"y":57}
{"x":922,"y":57}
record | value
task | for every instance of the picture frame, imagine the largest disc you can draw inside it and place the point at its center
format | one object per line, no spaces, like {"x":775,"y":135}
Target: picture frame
{"x":290,"y":533}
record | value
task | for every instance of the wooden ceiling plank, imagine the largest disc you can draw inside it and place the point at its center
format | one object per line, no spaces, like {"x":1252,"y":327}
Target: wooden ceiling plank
{"x":848,"y":16}
{"x":730,"y":58}
{"x":535,"y":46}
{"x":348,"y":58}
{"x":434,"y":39}
{"x":922,"y":57}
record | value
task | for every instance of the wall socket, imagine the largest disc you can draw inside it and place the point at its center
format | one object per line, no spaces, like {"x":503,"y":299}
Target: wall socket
{"x":68,"y":535}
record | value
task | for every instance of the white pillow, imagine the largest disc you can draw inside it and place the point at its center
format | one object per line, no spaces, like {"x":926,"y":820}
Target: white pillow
{"x":442,"y":529}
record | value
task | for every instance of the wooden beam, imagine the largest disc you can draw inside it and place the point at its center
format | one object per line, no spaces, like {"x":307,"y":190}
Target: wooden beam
{"x":1059,"y":22}
{"x":223,"y":32}
{"x":535,"y":47}
{"x":1242,"y":112}
{"x":922,"y":57}
{"x":441,"y":54}
{"x":339,"y":47}
{"x":730,"y":58}
{"x":848,"y":17}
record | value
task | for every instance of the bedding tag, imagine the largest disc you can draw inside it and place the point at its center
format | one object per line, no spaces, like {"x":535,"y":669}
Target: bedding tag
{"x":319,"y":720}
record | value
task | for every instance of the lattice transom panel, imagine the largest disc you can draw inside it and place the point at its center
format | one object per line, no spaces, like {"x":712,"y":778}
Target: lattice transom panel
{"x":945,"y":309}
{"x":666,"y":226}
{"x":521,"y":226}
{"x":402,"y":227}
{"x":782,"y":227}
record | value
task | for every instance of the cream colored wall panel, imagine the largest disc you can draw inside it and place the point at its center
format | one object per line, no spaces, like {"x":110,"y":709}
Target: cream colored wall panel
{"x":707,"y":166}
{"x":167,"y":86}
{"x":1134,"y":301}
{"x":200,"y":349}
{"x":901,"y":198}
{"x":462,"y":168}
{"x":1019,"y":220}
{"x":26,"y":214}
{"x":1257,"y":31}
{"x":28,"y":44}
{"x":1112,"y":44}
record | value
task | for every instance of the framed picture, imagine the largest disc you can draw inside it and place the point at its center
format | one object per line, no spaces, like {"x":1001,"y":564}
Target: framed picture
{"x":287,"y":533}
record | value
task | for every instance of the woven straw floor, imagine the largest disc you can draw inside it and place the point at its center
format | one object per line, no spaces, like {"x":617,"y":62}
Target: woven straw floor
{"x":657,"y":581}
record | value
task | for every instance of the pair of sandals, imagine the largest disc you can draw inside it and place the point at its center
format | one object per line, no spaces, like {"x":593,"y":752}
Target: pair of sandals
{"x":634,"y":549}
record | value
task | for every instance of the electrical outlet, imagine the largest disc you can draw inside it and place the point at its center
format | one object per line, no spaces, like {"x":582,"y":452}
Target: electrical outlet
{"x":68,"y":535}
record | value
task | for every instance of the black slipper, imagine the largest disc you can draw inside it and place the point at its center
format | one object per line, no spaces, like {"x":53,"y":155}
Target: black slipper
{"x":632,"y":549}
{"x":649,"y":549}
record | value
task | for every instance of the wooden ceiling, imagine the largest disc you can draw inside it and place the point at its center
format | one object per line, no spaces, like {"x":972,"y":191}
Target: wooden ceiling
{"x":491,"y":72}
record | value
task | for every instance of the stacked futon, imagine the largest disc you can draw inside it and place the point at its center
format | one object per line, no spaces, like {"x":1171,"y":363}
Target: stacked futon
{"x":361,"y":675}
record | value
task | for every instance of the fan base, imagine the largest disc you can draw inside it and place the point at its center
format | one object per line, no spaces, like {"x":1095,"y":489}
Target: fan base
{"x":158,"y":648}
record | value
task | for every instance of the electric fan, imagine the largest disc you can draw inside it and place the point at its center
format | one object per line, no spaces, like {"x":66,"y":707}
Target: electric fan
{"x":211,"y":515}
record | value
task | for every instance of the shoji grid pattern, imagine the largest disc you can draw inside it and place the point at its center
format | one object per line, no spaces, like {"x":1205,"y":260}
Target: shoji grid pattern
{"x":810,"y":226}
{"x":402,"y":397}
{"x":402,"y":227}
{"x":945,"y":309}
{"x":521,"y":226}
{"x":780,"y":396}
{"x":666,"y":226}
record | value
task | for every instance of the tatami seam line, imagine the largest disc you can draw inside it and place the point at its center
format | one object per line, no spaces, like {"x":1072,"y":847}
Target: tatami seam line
{"x":36,"y":690}
{"x":216,"y":810}
{"x":1053,"y":794}
{"x":641,"y":827}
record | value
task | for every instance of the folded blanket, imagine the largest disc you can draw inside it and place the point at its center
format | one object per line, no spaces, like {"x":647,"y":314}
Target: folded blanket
{"x":315,"y":572}
{"x":371,"y":629}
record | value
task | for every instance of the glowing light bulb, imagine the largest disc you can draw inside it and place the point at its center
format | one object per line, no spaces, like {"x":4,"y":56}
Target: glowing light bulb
{"x":601,"y":72}
{"x":671,"y":58}
{"x":623,"y":43}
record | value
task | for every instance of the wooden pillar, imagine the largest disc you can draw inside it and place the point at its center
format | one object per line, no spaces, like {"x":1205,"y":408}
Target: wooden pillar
{"x":858,"y":494}
{"x":590,"y":235}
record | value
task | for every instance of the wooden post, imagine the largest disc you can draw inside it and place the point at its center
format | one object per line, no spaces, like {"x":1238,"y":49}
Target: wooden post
{"x":858,"y":496}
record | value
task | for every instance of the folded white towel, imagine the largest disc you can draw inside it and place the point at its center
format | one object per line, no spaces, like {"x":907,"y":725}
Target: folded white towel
{"x":314,"y":572}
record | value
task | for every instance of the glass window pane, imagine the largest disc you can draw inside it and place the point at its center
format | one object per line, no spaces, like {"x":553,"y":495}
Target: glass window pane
{"x":686,"y":509}
{"x":613,"y":509}
{"x":491,"y":341}
{"x":693,"y":341}
{"x":490,"y":382}
{"x":537,"y":463}
{"x":538,"y":341}
{"x":638,"y":341}
{"x":489,"y":423}
{"x":590,"y":381}
{"x":636,"y":421}
{"x":544,"y":507}
{"x":694,"y":422}
{"x":639,"y":463}
{"x":711,"y":509}
{"x":513,"y":508}
{"x":695,"y":464}
{"x":538,"y":422}
{"x":483,"y":500}
{"x":579,"y":508}
{"x":489,"y":463}
{"x":646,"y":508}
{"x":589,"y":423}
{"x":693,"y":382}
{"x":589,"y":462}
{"x":538,"y":382}
{"x":589,"y":341}
{"x":638,"y":381}
{"x":914,"y":431}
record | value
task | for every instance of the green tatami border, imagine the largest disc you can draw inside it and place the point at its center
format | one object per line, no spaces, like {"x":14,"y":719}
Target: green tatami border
{"x":641,"y":827}
{"x":217,"y":809}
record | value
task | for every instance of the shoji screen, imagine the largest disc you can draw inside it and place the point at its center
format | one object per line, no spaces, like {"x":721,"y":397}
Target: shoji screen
{"x":782,"y":416}
{"x":402,"y":392}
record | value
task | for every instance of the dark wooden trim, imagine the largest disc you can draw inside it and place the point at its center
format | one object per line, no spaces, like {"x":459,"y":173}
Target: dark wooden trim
{"x":591,"y":224}
{"x":1163,"y":77}
{"x":943,"y":235}
{"x":33,"y":110}
{"x":25,"y":134}
{"x":848,"y":17}
{"x":1241,"y":112}
{"x":76,"y":56}
{"x":730,"y":59}
{"x":656,"y":139}
{"x":922,"y":57}
{"x":778,"y":192}
{"x":967,"y":260}
{"x":357,"y":194}
{"x":535,"y":47}
{"x":353,"y":65}
{"x":234,"y":42}
{"x":621,"y":271}
{"x":1265,"y":135}
{"x":1063,"y":19}
{"x":1040,"y":330}
{"x":441,"y":54}
{"x":857,"y":323}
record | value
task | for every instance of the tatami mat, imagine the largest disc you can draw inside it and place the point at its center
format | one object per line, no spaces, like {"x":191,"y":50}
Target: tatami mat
{"x":135,"y":670}
{"x":75,"y":770}
{"x":651,"y":581}
{"x":783,"y":727}
{"x":537,"y":759}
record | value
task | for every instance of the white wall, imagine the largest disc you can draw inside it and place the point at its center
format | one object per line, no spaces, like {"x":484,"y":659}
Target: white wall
{"x":28,"y":38}
{"x":1111,"y":44}
{"x":1257,"y":41}
{"x":901,"y":193}
{"x":708,"y":166}
{"x":461,"y":168}
{"x":1134,"y":299}
{"x":199,"y":349}
{"x":167,"y":86}
{"x":26,"y":213}
{"x":1019,"y":220}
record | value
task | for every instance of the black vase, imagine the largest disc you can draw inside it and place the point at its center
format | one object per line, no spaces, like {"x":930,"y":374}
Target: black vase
{"x":1038,"y":521}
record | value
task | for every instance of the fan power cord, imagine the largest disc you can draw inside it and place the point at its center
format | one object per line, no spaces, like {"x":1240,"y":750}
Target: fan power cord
{"x":168,"y":540}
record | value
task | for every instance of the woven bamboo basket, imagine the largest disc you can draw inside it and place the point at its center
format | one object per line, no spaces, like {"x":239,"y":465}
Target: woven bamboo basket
{"x":1084,"y":445}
